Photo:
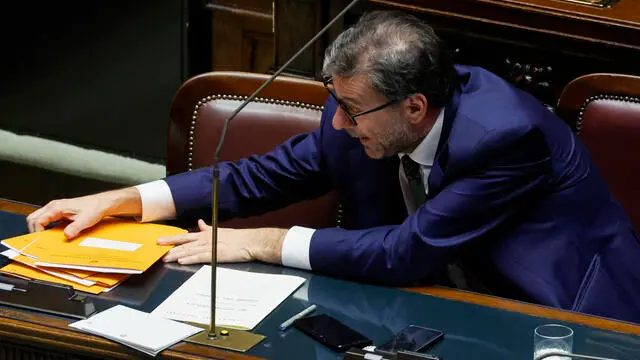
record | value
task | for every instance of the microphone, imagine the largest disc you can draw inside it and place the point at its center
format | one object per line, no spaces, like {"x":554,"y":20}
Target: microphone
{"x":225,"y":339}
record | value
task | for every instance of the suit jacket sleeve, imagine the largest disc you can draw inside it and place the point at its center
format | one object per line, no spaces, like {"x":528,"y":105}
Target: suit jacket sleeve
{"x":290,"y":173}
{"x":509,"y":169}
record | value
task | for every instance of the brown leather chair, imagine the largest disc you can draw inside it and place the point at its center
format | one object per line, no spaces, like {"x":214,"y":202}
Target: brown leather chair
{"x":286,"y":107}
{"x":604,"y":110}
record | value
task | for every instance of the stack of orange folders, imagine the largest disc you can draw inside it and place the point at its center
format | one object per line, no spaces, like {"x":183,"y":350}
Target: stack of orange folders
{"x":96,"y":261}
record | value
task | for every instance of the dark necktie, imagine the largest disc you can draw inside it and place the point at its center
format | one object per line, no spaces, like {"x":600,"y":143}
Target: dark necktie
{"x":457,"y":277}
{"x":414,"y":179}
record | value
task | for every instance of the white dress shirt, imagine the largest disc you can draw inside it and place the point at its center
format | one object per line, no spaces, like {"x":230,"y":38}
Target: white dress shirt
{"x":424,"y":154}
{"x":157,"y":201}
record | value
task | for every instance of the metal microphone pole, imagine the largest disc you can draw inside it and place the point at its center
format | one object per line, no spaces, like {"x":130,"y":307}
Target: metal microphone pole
{"x":230,"y":338}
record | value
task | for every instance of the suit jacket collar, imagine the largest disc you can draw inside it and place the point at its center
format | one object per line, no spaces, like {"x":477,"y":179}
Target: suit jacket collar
{"x":439,"y":169}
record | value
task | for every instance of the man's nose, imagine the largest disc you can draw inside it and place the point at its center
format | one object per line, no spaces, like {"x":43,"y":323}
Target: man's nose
{"x":340,"y":120}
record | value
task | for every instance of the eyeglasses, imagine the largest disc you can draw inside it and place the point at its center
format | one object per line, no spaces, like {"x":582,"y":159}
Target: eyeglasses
{"x":328,"y":84}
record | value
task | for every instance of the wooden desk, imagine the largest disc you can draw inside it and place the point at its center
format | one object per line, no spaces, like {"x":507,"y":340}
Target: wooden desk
{"x":540,"y":45}
{"x":16,"y":207}
{"x":29,"y":335}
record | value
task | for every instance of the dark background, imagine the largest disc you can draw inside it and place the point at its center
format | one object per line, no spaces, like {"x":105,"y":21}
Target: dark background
{"x":100,"y":75}
{"x":97,"y":74}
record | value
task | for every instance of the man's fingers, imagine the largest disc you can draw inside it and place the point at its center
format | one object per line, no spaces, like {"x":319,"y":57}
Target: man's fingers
{"x":31,"y":225}
{"x":195,"y":259}
{"x":31,"y":218}
{"x":186,"y":251}
{"x":193,"y":248}
{"x":45,"y":219}
{"x":178,"y":239}
{"x":80,"y":222}
{"x":203,"y":226}
{"x":53,"y":211}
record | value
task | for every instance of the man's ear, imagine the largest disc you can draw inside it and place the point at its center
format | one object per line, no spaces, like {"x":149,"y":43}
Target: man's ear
{"x":416,"y":107}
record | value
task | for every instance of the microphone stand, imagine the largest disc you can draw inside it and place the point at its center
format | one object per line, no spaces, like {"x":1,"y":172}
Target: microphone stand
{"x":218,"y":336}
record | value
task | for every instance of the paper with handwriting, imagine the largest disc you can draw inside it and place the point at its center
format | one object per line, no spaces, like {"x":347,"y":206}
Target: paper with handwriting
{"x":243,"y":298}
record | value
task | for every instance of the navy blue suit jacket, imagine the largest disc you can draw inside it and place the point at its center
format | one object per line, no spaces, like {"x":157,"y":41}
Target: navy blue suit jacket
{"x":513,"y":195}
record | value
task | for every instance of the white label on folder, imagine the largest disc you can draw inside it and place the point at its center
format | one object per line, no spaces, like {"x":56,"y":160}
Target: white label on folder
{"x":109,"y":244}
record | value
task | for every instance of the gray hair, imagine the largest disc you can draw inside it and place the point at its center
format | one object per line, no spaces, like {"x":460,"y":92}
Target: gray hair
{"x":400,"y":54}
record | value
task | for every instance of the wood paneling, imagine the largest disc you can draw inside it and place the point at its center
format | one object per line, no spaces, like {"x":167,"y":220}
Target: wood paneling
{"x":16,"y":207}
{"x":28,"y":335}
{"x":539,"y":45}
{"x":563,"y":19}
{"x":18,"y":352}
{"x":242,"y":35}
{"x":296,"y":22}
{"x":527,"y":308}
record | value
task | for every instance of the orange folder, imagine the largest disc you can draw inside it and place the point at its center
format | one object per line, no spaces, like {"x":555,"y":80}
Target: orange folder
{"x":24,"y":271}
{"x":108,"y":279}
{"x":25,"y":260}
{"x":113,"y":246}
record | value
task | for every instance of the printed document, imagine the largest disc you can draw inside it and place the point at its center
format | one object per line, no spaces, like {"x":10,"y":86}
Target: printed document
{"x":243,"y":299}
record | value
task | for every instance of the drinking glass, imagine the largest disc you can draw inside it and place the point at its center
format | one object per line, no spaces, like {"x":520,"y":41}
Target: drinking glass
{"x":552,"y":338}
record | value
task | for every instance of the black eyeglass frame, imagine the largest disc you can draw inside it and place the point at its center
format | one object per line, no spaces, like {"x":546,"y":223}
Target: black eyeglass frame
{"x":351,"y":116}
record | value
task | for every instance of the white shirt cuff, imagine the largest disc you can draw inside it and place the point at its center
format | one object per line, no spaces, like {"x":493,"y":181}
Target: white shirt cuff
{"x":295,"y":247}
{"x":157,"y":201}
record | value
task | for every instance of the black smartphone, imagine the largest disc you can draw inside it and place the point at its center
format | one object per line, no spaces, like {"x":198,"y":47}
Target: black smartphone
{"x":412,"y":338}
{"x":331,"y":332}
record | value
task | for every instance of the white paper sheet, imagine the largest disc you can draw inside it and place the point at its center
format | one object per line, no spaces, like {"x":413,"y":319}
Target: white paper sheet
{"x":137,"y":329}
{"x":11,"y":254}
{"x":243,"y":298}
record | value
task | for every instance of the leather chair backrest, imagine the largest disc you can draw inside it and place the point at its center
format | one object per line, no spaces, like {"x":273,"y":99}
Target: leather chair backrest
{"x":604,"y":110}
{"x":286,"y":107}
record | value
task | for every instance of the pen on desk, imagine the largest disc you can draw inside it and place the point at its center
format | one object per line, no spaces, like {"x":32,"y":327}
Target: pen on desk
{"x":297,"y":316}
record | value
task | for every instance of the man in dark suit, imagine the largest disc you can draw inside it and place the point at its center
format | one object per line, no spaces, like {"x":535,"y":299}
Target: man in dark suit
{"x":446,"y":173}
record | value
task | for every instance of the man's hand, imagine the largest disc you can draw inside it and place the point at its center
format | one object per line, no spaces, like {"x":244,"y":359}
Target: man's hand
{"x":234,"y":245}
{"x":86,"y":211}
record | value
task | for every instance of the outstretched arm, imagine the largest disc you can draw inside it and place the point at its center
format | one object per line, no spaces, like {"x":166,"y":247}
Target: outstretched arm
{"x":464,"y":211}
{"x":292,"y":172}
{"x":509,"y":173}
{"x":86,"y":211}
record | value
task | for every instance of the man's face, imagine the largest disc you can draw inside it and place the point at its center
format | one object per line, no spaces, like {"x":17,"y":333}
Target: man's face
{"x":383,"y":133}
